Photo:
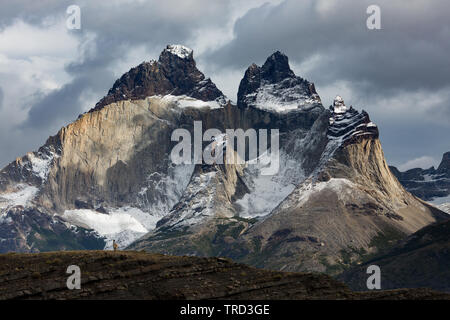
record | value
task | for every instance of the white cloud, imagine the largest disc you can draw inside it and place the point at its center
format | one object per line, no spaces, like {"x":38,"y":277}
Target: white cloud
{"x":423,"y":162}
{"x":22,"y":40}
{"x":32,"y":62}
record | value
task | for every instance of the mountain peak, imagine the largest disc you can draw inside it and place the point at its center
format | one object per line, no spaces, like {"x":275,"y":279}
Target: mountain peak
{"x":444,"y":166}
{"x":347,"y":125}
{"x":275,"y":87}
{"x":179,"y":50}
{"x":339,"y":105}
{"x":276,"y":68}
{"x":174,"y":73}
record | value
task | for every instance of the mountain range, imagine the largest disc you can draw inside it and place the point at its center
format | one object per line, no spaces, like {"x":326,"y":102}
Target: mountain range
{"x":333,"y":203}
{"x":430,"y":184}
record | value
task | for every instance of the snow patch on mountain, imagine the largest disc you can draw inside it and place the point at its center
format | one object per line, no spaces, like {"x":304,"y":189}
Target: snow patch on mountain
{"x":163,"y":191}
{"x":179,"y":50}
{"x":440,"y":200}
{"x":22,"y":197}
{"x":197,"y":202}
{"x":347,"y":124}
{"x":282,"y":97}
{"x":124,"y":225}
{"x":342,"y":187}
{"x":338,"y":185}
{"x":184,"y":101}
{"x":445,"y":207}
{"x":442,"y":203}
{"x":267,"y":191}
{"x":147,"y":220}
{"x":41,"y":165}
{"x":339,"y":105}
{"x":5,"y":219}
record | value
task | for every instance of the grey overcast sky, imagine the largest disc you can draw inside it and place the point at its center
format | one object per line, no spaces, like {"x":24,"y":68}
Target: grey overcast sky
{"x":400,"y":74}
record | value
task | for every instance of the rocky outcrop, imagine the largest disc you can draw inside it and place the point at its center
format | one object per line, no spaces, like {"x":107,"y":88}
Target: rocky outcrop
{"x":275,"y":88}
{"x":138,"y":275}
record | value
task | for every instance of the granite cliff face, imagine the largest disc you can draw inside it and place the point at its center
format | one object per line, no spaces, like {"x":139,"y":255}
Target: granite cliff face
{"x":109,"y":175}
{"x":115,"y":159}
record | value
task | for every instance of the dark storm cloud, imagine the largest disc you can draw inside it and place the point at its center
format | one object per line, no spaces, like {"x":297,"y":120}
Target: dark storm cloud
{"x":327,"y":41}
{"x":399,"y":73}
{"x":30,"y":11}
{"x":410,"y":52}
{"x":1,"y":98}
{"x":118,"y":29}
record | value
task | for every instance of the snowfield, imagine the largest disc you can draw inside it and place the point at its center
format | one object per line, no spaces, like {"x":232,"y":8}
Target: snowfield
{"x":442,"y":203}
{"x":267,"y":191}
{"x":41,"y":167}
{"x":179,"y":50}
{"x":281,"y":98}
{"x":124,"y":225}
{"x":22,"y":197}
{"x":188,"y":102}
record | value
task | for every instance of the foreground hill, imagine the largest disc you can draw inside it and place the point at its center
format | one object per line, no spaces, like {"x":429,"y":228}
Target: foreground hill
{"x":422,"y":260}
{"x":139,"y":275}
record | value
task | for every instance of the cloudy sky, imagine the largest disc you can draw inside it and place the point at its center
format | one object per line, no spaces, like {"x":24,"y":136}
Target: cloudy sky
{"x":399,"y":74}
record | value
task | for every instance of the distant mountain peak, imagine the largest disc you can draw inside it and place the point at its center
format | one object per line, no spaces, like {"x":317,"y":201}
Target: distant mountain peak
{"x":444,"y":166}
{"x":429,"y":184}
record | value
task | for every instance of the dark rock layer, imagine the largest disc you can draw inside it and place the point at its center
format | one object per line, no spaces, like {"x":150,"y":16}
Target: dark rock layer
{"x":137,"y":275}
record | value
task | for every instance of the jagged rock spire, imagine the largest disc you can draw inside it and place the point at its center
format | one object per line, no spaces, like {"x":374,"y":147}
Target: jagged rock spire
{"x":444,"y":167}
{"x":174,"y":73}
{"x":276,"y":68}
{"x":275,"y":87}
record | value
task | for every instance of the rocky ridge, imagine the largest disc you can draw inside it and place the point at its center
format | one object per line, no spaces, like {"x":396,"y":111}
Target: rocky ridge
{"x":138,"y":275}
{"x":430,"y":184}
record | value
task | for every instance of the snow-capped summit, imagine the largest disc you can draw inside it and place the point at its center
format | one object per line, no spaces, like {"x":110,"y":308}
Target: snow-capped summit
{"x":347,"y":124}
{"x":175,"y":73}
{"x":179,"y":50}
